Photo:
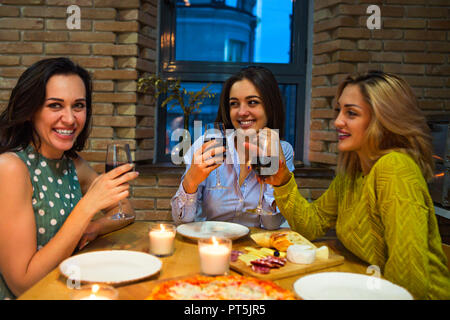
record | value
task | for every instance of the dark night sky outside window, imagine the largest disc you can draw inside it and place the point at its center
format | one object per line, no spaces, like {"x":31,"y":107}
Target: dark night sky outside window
{"x":206,"y":41}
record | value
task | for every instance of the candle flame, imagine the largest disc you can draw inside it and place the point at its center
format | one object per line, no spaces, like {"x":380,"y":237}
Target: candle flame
{"x":162,"y":227}
{"x":215,"y":242}
{"x":95,"y":288}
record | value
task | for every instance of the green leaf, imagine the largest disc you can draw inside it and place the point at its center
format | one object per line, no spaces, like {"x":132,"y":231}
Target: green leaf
{"x":154,"y":85}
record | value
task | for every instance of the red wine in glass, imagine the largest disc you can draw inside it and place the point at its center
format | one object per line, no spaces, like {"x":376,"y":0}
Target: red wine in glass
{"x":260,"y":162}
{"x":220,"y":142}
{"x":111,"y":166}
{"x":216,"y":131}
{"x":262,"y":165}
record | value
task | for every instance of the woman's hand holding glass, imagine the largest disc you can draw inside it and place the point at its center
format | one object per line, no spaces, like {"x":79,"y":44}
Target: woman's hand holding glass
{"x":216,"y":131}
{"x":118,"y":154}
{"x":109,"y":188}
{"x":205,"y":160}
{"x":262,"y":162}
{"x":282,"y":175}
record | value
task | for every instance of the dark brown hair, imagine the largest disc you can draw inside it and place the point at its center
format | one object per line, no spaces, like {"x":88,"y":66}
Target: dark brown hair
{"x":28,"y":96}
{"x":267,"y":87}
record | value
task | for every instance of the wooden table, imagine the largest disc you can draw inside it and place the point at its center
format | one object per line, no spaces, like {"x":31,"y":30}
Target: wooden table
{"x":183,"y":262}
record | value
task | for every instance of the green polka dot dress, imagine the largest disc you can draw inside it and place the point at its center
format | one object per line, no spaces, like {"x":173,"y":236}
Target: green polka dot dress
{"x":56,"y":191}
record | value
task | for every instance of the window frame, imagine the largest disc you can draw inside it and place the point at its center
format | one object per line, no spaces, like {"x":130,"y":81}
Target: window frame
{"x":293,"y":73}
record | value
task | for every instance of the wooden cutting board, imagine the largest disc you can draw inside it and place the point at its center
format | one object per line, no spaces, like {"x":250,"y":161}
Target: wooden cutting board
{"x":289,"y":269}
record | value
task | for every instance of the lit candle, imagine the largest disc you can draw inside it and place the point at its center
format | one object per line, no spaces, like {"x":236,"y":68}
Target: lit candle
{"x":214,"y":255}
{"x":162,"y":239}
{"x":95,"y":292}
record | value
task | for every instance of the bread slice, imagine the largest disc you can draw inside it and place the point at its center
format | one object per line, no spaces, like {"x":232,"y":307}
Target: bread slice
{"x":262,"y":239}
{"x":282,"y":240}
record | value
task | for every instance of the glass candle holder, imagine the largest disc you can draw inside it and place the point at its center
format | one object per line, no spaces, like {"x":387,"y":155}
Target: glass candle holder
{"x":162,"y":239}
{"x":215,"y":256}
{"x":95,"y":292}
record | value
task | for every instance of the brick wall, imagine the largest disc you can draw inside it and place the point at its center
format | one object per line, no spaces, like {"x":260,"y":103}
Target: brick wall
{"x":158,"y":183}
{"x":153,"y":191}
{"x":413,"y":42}
{"x":117,"y":40}
{"x":116,"y":43}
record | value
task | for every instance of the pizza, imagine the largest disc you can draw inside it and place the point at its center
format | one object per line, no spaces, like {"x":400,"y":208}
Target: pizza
{"x":233,"y":287}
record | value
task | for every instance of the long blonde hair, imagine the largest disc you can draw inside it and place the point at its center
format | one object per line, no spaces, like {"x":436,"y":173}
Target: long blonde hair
{"x":397,"y":123}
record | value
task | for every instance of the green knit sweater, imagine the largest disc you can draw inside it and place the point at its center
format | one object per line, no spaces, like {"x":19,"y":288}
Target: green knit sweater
{"x":386,"y":218}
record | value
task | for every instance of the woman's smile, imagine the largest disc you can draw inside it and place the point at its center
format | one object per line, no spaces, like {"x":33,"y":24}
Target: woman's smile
{"x":246,"y":124}
{"x":65,"y":133}
{"x":62,"y":117}
{"x":343,"y":135}
{"x":246,"y":106}
{"x":353,"y":119}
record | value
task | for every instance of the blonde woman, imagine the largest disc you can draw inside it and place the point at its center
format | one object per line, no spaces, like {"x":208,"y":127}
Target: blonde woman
{"x":379,"y":201}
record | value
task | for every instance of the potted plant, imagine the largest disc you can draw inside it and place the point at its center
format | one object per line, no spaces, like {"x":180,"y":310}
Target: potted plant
{"x":189,"y":101}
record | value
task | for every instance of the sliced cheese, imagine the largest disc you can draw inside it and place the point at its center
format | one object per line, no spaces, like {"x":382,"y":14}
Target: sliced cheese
{"x":246,"y":258}
{"x":301,"y":254}
{"x":267,"y":251}
{"x":255,"y":252}
{"x":322,"y":253}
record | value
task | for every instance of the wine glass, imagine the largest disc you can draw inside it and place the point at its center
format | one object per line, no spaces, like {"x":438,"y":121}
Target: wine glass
{"x":262,"y":165}
{"x":216,"y":131}
{"x":118,"y":154}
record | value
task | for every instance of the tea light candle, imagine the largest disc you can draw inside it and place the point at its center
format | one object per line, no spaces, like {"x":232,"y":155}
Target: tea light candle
{"x":215,"y":255}
{"x":95,"y":292}
{"x":162,"y":238}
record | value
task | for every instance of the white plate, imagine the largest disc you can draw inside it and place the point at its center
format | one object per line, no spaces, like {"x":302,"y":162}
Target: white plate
{"x":111,"y":266}
{"x":207,"y":229}
{"x":348,"y":286}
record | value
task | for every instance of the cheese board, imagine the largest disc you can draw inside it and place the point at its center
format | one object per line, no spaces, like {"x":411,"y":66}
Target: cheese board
{"x":288,"y":269}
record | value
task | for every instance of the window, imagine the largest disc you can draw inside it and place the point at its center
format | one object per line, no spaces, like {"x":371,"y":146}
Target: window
{"x":235,"y":51}
{"x":175,"y":118}
{"x":206,"y":41}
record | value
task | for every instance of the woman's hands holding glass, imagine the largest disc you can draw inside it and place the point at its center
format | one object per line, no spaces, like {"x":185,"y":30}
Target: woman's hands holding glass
{"x":207,"y":158}
{"x":118,"y":154}
{"x":216,"y":132}
{"x":262,"y":163}
{"x":109,"y":188}
{"x":277,"y":175}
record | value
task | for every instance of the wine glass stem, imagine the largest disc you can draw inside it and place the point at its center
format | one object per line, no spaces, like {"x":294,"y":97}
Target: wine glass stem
{"x":120,"y":207}
{"x":261,"y":185}
{"x":217,"y":177}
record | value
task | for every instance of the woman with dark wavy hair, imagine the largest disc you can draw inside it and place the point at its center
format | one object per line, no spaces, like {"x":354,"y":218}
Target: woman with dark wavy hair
{"x":379,"y":201}
{"x":250,"y":101}
{"x":266,"y":85}
{"x":49,"y":194}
